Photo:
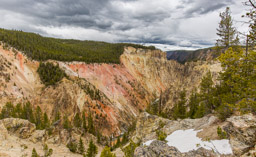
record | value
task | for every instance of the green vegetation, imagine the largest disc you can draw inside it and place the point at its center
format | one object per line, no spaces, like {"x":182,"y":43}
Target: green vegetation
{"x":179,"y":109}
{"x":77,"y":121}
{"x":43,"y":48}
{"x":92,"y":150}
{"x":107,"y":153}
{"x":235,"y":90}
{"x":66,"y":123}
{"x":221,"y":134}
{"x":90,"y":126}
{"x":155,"y":108}
{"x":26,"y":112}
{"x":47,"y":151}
{"x":72,"y":146}
{"x":81,"y":146}
{"x":34,"y":153}
{"x":161,"y":135}
{"x":50,"y":74}
{"x":226,"y":31}
{"x":129,"y":150}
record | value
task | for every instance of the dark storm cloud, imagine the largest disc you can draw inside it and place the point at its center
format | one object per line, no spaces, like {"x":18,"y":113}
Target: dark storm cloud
{"x":82,"y":13}
{"x":140,"y":21}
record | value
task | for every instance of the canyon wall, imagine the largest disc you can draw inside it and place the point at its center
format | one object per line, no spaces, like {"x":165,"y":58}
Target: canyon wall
{"x":123,"y":90}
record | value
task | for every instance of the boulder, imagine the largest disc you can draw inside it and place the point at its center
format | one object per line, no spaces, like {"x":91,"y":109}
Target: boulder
{"x":38,"y":136}
{"x":156,"y":149}
{"x":161,"y":149}
{"x":19,"y":127}
{"x":242,"y":133}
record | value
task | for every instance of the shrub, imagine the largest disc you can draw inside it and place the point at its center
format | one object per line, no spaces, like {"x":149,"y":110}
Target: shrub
{"x":161,"y":135}
{"x":221,"y":134}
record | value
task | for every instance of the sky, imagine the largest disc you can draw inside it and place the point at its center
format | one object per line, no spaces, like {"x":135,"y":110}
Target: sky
{"x":166,"y":24}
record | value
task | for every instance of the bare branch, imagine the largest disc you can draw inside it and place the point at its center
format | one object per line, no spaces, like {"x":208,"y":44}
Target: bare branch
{"x":252,"y":4}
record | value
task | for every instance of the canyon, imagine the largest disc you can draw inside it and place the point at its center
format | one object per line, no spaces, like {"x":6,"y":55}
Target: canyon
{"x":116,"y":95}
{"x":125,"y":89}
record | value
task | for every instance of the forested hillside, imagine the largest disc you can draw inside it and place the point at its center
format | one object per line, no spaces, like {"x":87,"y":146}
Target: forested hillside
{"x":183,"y":56}
{"x":43,"y":48}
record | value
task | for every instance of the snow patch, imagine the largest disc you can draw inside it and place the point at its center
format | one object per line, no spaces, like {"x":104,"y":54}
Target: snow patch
{"x":148,"y":142}
{"x":186,"y":140}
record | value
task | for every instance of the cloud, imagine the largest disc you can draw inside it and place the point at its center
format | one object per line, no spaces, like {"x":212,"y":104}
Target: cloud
{"x":177,"y":23}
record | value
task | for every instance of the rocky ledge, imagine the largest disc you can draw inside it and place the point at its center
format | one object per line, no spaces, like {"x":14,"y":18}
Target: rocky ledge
{"x":240,"y":131}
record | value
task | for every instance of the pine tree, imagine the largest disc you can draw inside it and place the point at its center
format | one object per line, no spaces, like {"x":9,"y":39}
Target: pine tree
{"x":8,"y":111}
{"x":47,"y":151}
{"x":34,"y":153}
{"x":107,"y":153}
{"x":28,"y":113}
{"x":57,"y":116}
{"x":66,"y":123}
{"x":98,"y":137}
{"x":77,"y":120}
{"x":193,"y":104}
{"x":237,"y":82}
{"x":84,"y":122}
{"x":18,"y":110}
{"x":38,"y":118}
{"x":118,"y":142}
{"x":46,"y":122}
{"x":180,"y":108}
{"x":72,"y":146}
{"x":91,"y":128}
{"x":81,"y":146}
{"x":207,"y":91}
{"x":226,"y":31}
{"x":251,"y":14}
{"x":92,"y":150}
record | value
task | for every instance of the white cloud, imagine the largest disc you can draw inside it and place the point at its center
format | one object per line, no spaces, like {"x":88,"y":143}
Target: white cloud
{"x":176,"y":24}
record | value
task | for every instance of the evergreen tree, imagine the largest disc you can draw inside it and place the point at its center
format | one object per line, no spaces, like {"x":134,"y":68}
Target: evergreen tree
{"x":38,"y":118}
{"x":118,"y":142}
{"x":98,"y":137}
{"x":81,"y":146}
{"x":77,"y":120}
{"x":129,"y":150}
{"x":180,"y":108}
{"x":57,"y":116}
{"x":84,"y":122}
{"x":207,"y":92}
{"x":107,"y":153}
{"x":18,"y":110}
{"x":193,"y":104}
{"x":251,"y":14}
{"x":91,"y":128}
{"x":8,"y":111}
{"x":66,"y":123}
{"x":92,"y":150}
{"x":226,"y":31}
{"x":34,"y":153}
{"x":200,"y":112}
{"x":72,"y":146}
{"x":28,"y":113}
{"x":238,"y":81}
{"x":46,"y":123}
{"x":47,"y":151}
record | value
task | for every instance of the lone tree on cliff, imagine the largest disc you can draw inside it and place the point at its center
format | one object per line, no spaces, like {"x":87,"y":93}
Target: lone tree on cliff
{"x":226,"y":31}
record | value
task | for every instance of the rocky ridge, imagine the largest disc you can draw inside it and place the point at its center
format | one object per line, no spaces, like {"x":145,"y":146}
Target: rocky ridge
{"x":240,"y":130}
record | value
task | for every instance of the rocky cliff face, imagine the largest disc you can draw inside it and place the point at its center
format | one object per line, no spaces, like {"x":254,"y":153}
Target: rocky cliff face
{"x":123,"y":90}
